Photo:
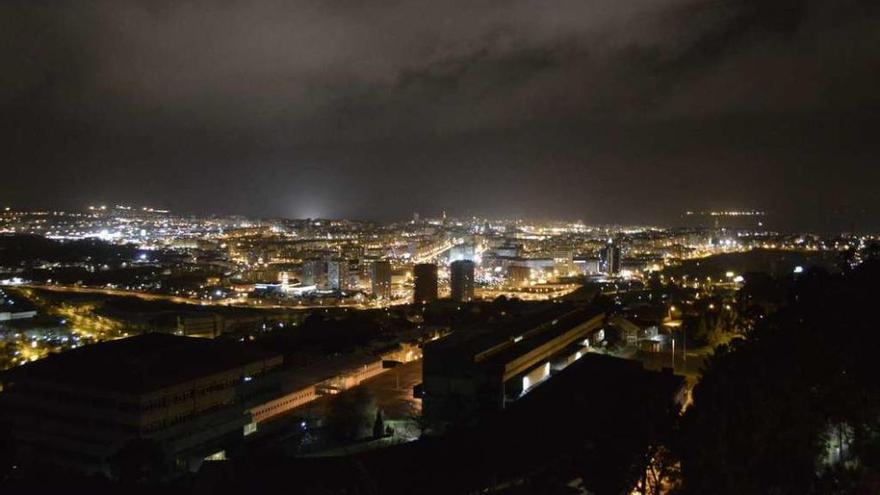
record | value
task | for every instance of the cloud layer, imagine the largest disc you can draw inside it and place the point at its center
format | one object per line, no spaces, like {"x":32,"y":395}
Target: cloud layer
{"x":600,"y":110}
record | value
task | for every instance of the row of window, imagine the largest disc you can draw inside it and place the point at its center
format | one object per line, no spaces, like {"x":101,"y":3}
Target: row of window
{"x":289,"y":403}
{"x":180,"y":418}
{"x":187,"y":395}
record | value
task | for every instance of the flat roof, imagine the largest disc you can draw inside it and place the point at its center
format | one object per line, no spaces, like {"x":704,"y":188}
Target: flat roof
{"x":301,"y":377}
{"x":139,"y":364}
{"x":555,"y":328}
{"x":472,"y":341}
{"x":560,"y":317}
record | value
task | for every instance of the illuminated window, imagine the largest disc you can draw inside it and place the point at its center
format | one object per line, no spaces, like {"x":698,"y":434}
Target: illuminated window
{"x":250,"y":428}
{"x":217,"y":456}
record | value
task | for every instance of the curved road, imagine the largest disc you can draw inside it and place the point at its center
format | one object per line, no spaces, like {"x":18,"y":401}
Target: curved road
{"x":186,"y":300}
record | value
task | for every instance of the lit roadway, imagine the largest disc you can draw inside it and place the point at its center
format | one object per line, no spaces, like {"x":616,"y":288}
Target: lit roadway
{"x":115,"y":292}
{"x":233,"y":302}
{"x":531,"y":293}
{"x":434,"y":253}
{"x":82,"y":320}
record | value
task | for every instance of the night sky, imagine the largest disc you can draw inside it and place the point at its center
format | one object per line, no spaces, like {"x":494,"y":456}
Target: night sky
{"x":598,"y":110}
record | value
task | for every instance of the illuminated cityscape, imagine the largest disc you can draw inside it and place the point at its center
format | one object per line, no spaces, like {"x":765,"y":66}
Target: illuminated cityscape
{"x":520,"y":300}
{"x":500,"y":248}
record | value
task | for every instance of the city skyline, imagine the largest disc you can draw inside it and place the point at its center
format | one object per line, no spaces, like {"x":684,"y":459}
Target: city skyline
{"x":287,"y":327}
{"x":735,"y":219}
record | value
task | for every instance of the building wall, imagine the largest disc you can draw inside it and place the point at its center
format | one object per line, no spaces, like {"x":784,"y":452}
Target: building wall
{"x":381,"y":279}
{"x":283,"y":404}
{"x":209,"y":326}
{"x":8,"y":315}
{"x":354,"y":377}
{"x":518,"y":275}
{"x":82,"y":428}
{"x":425,"y":283}
{"x":462,"y":280}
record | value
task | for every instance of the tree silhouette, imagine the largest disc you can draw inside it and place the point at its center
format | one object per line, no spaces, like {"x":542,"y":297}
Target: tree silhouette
{"x":349,"y":414}
{"x":378,"y":425}
{"x":764,"y":407}
{"x":7,"y":450}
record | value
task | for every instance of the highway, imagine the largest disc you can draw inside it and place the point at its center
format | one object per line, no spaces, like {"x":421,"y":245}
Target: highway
{"x":229,"y":302}
{"x":434,"y":253}
{"x":115,"y":292}
{"x":542,"y":293}
{"x":532,"y":294}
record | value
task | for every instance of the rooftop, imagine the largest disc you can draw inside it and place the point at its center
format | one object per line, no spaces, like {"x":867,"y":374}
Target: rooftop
{"x":541,"y":334}
{"x":512,"y":338}
{"x":139,"y":364}
{"x":472,"y":341}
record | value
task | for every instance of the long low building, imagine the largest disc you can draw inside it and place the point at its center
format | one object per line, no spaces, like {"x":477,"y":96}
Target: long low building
{"x":197,"y":398}
{"x":191,"y":396}
{"x":593,"y":423}
{"x":299,"y":386}
{"x":15,"y":309}
{"x":299,"y":396}
{"x":471,"y":373}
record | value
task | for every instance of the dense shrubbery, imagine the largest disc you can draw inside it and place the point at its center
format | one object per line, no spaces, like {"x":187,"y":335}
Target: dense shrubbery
{"x":796,"y":407}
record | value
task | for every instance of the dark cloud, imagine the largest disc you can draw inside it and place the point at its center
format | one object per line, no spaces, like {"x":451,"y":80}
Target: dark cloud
{"x":599,"y":110}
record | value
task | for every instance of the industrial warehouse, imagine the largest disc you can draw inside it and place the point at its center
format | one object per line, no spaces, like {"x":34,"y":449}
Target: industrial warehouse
{"x":480,"y":371}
